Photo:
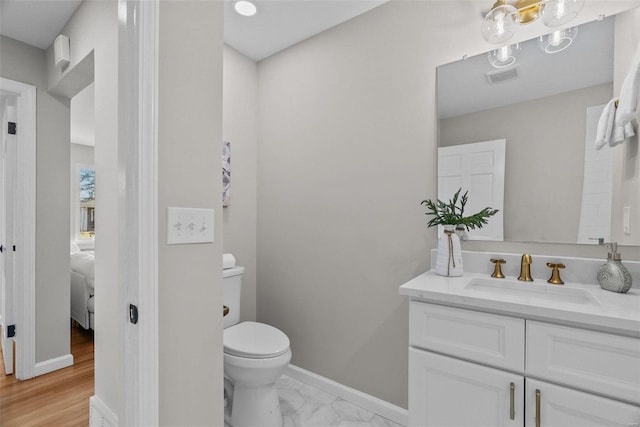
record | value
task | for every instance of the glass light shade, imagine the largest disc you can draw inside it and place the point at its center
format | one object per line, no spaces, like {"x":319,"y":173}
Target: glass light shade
{"x":504,"y":56}
{"x":245,"y":8}
{"x":499,"y":24}
{"x":558,"y":40}
{"x":559,"y":12}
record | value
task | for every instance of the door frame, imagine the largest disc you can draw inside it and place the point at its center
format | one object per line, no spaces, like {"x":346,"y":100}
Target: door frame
{"x":138,"y":165}
{"x":25,"y":294}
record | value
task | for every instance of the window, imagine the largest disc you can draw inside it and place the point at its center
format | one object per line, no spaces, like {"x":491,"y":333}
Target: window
{"x":87,"y":212}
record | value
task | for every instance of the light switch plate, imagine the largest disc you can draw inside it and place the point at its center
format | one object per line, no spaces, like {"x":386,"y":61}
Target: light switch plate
{"x":189,"y":225}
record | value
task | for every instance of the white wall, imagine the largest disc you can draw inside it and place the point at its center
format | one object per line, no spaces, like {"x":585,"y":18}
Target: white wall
{"x":83,"y":117}
{"x":347,"y":149}
{"x":190,"y":166}
{"x":240,"y":127}
{"x":26,"y":64}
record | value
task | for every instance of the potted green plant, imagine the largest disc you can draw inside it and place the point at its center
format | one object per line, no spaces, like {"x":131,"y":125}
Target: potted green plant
{"x":451,"y":215}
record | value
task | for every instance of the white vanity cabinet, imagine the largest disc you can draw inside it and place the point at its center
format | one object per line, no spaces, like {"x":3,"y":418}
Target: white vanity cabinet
{"x":472,"y":368}
{"x":444,"y":391}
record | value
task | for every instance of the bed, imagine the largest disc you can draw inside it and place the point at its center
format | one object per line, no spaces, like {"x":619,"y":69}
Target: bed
{"x":82,"y":286}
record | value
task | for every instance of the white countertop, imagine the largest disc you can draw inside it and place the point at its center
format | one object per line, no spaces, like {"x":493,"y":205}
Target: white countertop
{"x":610,"y":312}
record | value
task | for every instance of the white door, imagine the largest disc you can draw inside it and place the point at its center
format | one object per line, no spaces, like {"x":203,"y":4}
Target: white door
{"x":444,"y":391}
{"x":564,"y":407}
{"x":18,"y":225}
{"x":7,"y":207}
{"x":479,"y":169}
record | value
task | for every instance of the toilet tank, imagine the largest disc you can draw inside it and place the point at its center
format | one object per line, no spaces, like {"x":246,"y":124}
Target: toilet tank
{"x":232,"y":284}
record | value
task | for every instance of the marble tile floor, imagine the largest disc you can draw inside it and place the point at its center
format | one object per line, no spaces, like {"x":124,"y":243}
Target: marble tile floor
{"x":305,"y":406}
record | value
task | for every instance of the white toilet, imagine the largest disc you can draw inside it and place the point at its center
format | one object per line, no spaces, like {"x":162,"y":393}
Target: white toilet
{"x":255,"y":356}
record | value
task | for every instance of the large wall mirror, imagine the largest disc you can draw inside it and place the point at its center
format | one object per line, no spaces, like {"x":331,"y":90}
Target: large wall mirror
{"x":546,"y":106}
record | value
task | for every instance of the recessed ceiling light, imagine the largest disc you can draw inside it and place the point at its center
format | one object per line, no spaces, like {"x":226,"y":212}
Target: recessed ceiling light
{"x":245,"y":8}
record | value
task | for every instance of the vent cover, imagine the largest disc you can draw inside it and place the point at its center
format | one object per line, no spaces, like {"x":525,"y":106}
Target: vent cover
{"x":499,"y":76}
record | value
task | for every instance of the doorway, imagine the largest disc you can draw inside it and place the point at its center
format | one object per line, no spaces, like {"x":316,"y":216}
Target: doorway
{"x":17,"y":226}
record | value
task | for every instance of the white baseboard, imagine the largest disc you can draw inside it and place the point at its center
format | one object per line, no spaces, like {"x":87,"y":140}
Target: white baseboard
{"x":100,"y":415}
{"x":54,"y":364}
{"x":384,"y":409}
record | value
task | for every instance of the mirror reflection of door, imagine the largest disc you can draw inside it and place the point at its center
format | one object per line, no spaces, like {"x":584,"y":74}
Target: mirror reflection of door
{"x":479,"y":169}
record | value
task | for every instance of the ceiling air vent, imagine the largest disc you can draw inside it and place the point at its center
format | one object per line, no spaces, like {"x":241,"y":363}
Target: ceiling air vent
{"x":499,"y":76}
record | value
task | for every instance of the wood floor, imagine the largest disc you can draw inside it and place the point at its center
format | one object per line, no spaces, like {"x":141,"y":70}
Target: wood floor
{"x":60,"y":398}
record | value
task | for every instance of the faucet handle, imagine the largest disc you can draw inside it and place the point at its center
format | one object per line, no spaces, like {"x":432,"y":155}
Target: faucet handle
{"x":497,"y":271}
{"x":555,"y":273}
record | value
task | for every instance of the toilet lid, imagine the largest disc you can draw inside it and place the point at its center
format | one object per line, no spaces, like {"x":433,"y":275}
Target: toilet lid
{"x":255,"y":340}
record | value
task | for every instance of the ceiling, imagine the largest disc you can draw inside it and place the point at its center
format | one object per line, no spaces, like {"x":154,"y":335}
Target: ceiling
{"x":35,"y":22}
{"x":463,"y":86}
{"x":277,"y":25}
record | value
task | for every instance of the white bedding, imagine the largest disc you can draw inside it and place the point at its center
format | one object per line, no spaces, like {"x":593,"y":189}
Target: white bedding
{"x":82,"y":286}
{"x":83,"y":263}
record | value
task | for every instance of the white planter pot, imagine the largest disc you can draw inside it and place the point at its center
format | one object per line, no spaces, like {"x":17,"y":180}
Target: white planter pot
{"x":449,"y":258}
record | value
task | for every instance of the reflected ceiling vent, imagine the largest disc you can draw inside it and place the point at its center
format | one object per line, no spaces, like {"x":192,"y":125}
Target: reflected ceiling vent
{"x":499,"y":76}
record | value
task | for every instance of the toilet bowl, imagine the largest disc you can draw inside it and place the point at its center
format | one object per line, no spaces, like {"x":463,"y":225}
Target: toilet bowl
{"x":255,"y":356}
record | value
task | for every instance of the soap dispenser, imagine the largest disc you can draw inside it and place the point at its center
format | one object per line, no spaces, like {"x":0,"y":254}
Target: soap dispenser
{"x":613,"y":275}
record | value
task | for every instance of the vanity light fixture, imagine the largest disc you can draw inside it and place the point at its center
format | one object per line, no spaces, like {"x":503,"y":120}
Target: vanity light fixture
{"x":245,"y":8}
{"x":500,"y":24}
{"x":504,"y":56}
{"x":557,"y":41}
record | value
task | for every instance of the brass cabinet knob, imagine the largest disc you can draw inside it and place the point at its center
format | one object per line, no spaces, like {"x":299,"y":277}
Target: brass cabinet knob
{"x":497,"y":271}
{"x":225,"y":310}
{"x":555,"y":273}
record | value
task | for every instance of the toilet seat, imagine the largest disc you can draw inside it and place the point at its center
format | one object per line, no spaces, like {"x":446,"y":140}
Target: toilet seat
{"x":255,"y":340}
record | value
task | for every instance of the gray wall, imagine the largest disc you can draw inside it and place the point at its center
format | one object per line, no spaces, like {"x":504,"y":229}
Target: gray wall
{"x":347,"y":150}
{"x":345,"y":156}
{"x":189,"y":175}
{"x":26,"y":64}
{"x":240,"y":127}
{"x":541,"y":197}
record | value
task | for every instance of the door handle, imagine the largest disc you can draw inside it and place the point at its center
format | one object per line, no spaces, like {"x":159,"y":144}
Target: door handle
{"x":512,"y":403}
{"x":537,"y":408}
{"x":1,"y":249}
{"x":133,"y":313}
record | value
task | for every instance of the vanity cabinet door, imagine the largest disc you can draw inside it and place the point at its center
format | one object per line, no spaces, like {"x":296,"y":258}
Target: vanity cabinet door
{"x":444,"y":391}
{"x":557,"y":406}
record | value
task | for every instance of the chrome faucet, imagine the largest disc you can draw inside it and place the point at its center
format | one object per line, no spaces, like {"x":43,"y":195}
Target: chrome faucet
{"x":525,"y":268}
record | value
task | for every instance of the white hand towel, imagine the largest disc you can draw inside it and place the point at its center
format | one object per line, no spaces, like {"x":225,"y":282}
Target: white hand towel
{"x":604,"y":132}
{"x":228,"y":261}
{"x":629,"y":104}
{"x":629,"y":93}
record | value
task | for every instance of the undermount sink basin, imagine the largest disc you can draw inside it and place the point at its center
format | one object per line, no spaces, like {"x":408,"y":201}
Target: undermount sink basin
{"x":532,"y":291}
